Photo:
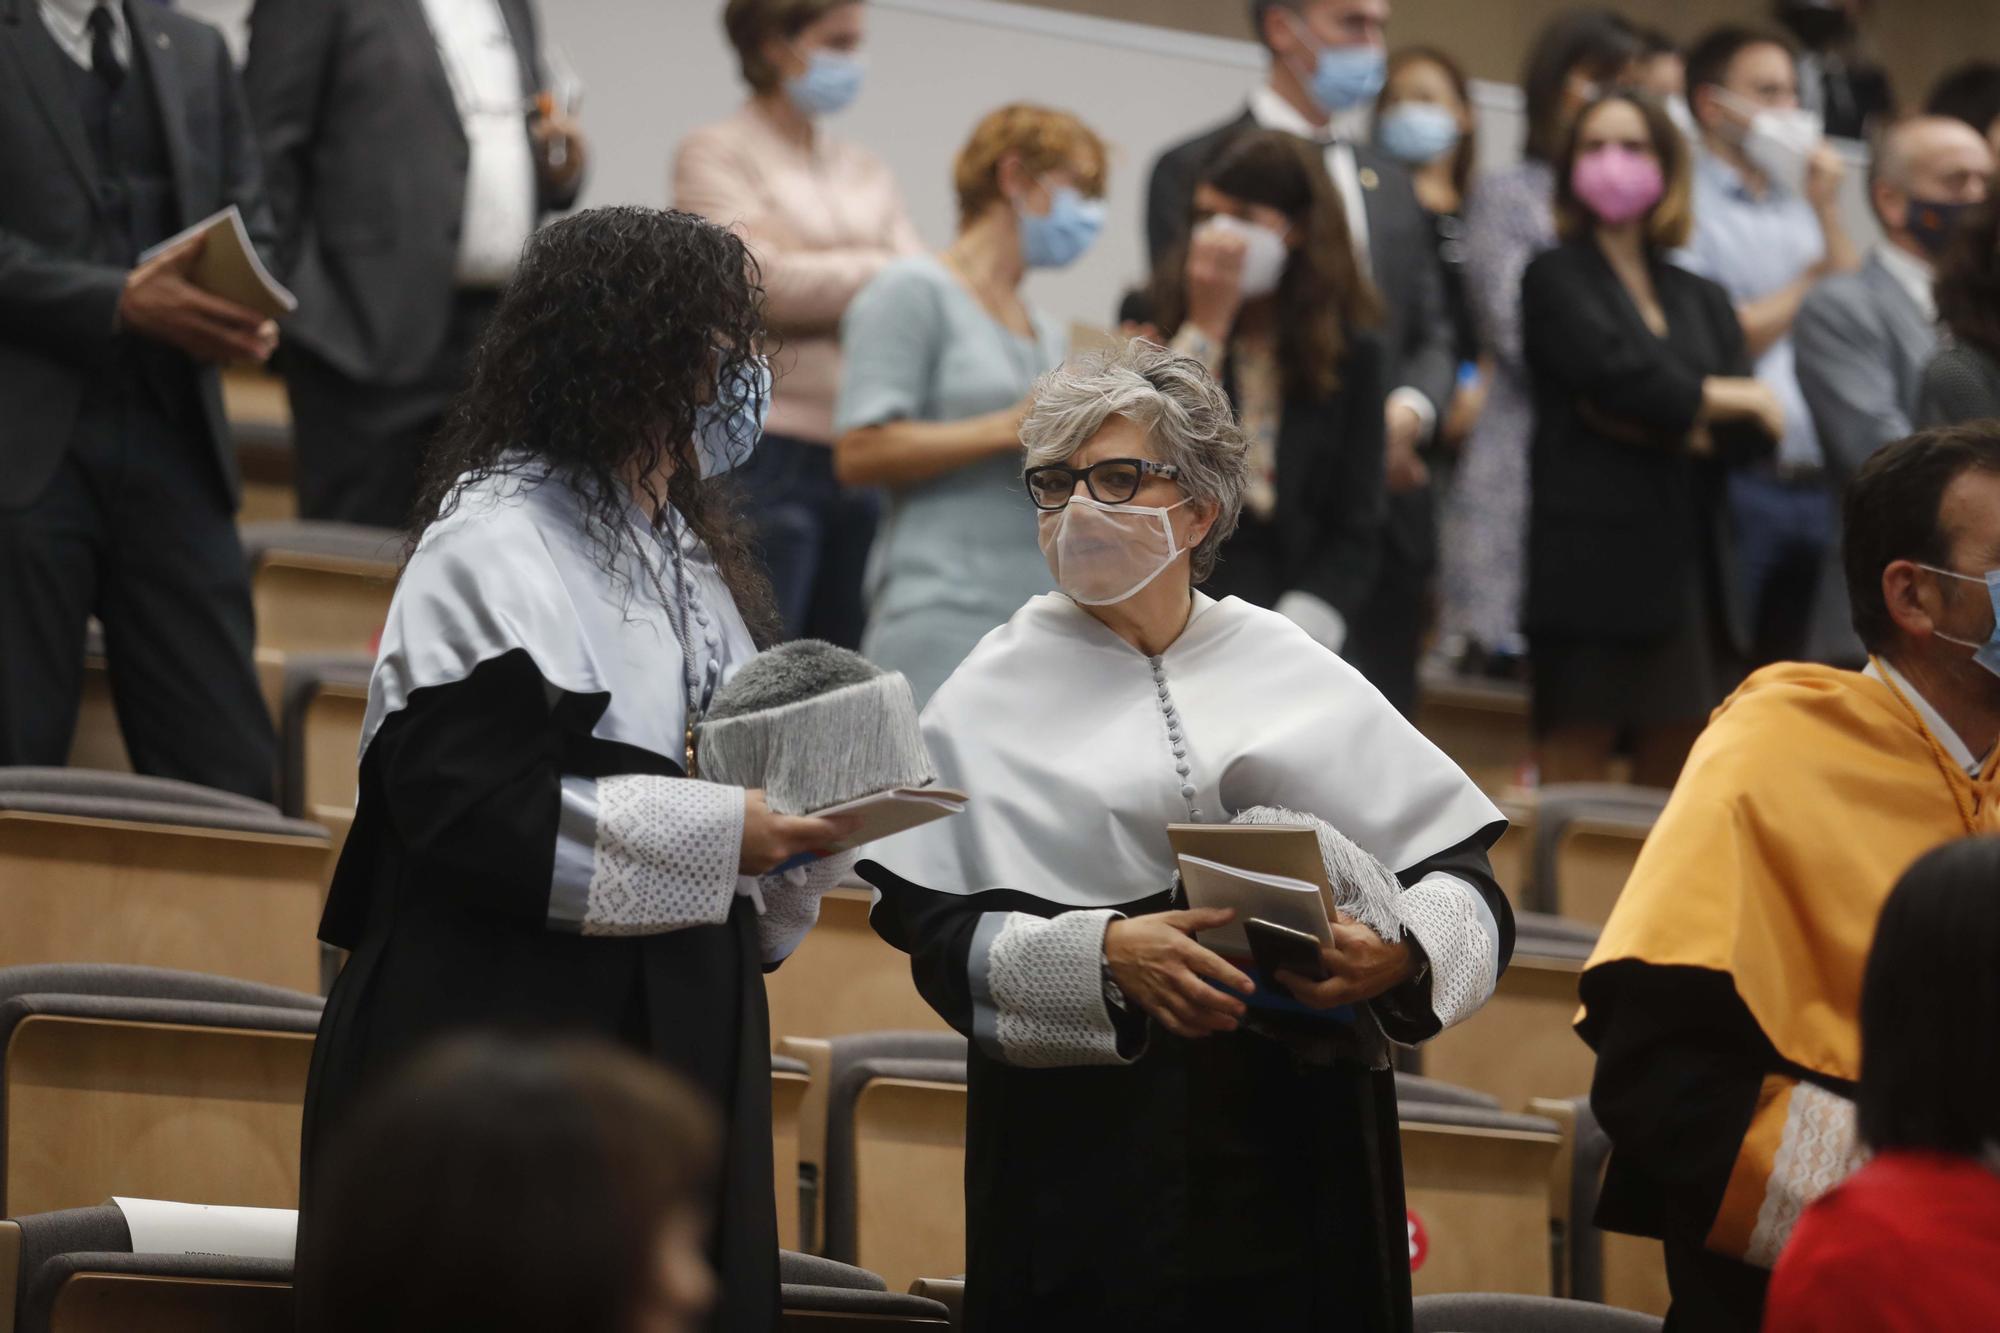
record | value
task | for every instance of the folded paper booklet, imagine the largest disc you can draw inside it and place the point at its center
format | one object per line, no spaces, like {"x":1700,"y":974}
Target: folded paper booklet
{"x":229,"y":266}
{"x":1289,"y":901}
{"x":1278,"y":899}
{"x":162,"y":1227}
{"x":896,"y":811}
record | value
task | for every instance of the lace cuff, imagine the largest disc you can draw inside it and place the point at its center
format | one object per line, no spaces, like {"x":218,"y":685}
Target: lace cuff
{"x":791,"y":902}
{"x":1820,"y":1148}
{"x":1038,"y":990}
{"x":1461,"y":939}
{"x":643,"y":855}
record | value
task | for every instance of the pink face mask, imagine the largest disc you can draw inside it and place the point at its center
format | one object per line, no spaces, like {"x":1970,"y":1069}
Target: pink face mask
{"x":1617,"y":184}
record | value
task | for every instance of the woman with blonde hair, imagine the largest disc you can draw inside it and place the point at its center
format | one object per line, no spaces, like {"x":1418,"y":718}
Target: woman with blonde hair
{"x":940,"y":352}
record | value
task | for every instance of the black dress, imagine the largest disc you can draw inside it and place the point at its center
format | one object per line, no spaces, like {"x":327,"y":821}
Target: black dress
{"x":1324,"y":537}
{"x":1624,"y":598}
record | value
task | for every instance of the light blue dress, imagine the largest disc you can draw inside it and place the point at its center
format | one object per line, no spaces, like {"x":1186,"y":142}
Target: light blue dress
{"x":956,"y":555}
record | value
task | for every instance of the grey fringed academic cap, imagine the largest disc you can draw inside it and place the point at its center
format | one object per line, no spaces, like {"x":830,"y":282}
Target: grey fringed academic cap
{"x":814,"y":725}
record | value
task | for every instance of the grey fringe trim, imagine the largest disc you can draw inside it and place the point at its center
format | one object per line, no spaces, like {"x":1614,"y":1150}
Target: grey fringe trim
{"x":830,"y":748}
{"x":1363,"y":887}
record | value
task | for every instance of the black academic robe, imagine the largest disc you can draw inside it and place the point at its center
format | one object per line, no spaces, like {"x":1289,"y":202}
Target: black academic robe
{"x":442,"y":894}
{"x":1240,"y":1181}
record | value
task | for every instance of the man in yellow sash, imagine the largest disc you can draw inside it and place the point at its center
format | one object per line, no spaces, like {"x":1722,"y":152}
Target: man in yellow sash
{"x":1724,"y":997}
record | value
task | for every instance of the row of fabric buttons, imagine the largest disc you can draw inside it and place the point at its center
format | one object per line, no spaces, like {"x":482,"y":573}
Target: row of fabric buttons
{"x":1176,"y":739}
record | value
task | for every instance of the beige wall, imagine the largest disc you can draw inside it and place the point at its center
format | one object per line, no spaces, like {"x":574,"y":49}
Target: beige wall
{"x":1918,"y":39}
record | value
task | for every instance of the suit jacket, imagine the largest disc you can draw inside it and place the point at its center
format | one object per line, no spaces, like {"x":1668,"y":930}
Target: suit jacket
{"x":1330,"y":502}
{"x":1402,"y":252}
{"x":58,"y":301}
{"x":366,"y":161}
{"x":1622,"y":516}
{"x":1862,"y":344}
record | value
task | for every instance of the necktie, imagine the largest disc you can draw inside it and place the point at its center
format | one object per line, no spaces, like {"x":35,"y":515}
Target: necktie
{"x":103,"y":60}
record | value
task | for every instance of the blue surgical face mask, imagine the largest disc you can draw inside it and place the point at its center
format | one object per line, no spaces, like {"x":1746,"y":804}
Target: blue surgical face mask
{"x":1344,"y":77}
{"x":1057,"y":238}
{"x":829,"y":85}
{"x":1986,"y":654}
{"x":1417,"y":132}
{"x":726,"y":429}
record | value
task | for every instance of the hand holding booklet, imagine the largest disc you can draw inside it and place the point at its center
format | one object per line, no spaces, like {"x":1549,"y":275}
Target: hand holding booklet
{"x":894,"y":811}
{"x":228,"y":265}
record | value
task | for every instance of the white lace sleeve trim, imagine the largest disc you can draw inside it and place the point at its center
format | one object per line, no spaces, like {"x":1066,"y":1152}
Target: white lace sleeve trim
{"x":1821,"y":1146}
{"x":643,"y":855}
{"x":1038,"y":990}
{"x":791,"y":902}
{"x":1461,"y":939}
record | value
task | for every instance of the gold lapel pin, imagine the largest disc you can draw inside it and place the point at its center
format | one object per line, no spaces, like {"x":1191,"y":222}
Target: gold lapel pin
{"x":1369,"y":180}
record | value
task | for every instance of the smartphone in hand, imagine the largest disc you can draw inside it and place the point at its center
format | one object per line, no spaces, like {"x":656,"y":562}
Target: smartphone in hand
{"x":1280,"y":948}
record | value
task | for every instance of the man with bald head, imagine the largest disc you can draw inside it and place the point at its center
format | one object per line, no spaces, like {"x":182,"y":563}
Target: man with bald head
{"x":1863,"y":338}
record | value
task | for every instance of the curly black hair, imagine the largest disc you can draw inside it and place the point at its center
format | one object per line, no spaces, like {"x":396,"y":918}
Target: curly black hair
{"x":604,"y":353}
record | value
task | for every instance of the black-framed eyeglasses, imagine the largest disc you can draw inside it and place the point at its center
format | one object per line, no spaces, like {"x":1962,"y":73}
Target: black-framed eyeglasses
{"x":1113,"y":481}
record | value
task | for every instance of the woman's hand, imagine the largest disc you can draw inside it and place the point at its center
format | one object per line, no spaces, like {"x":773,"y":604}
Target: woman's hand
{"x":1156,"y":962}
{"x":1360,"y":966}
{"x":771,"y":839}
{"x":1214,"y":281}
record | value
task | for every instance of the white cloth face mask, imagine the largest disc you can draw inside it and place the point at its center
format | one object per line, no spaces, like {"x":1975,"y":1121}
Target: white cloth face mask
{"x":1104,"y":554}
{"x":1264,"y":254}
{"x":1780,"y":141}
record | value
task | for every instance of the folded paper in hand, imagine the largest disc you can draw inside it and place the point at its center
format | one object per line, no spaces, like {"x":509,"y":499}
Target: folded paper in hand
{"x":1254,"y":895}
{"x":229,"y":266}
{"x":895,"y":811}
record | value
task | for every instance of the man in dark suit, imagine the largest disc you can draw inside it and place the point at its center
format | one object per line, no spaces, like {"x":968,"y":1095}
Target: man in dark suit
{"x":408,"y":160}
{"x":123,"y":124}
{"x":1327,"y":62}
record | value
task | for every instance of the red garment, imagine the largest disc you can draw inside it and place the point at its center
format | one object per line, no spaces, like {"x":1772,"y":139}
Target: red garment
{"x":1909,"y":1244}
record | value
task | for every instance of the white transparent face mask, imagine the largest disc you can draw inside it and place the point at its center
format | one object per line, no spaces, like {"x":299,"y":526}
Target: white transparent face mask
{"x":1264,"y":253}
{"x":1102,"y":554}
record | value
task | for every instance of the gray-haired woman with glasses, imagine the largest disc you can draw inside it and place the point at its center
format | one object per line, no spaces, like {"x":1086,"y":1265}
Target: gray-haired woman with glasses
{"x":1145,"y":1149}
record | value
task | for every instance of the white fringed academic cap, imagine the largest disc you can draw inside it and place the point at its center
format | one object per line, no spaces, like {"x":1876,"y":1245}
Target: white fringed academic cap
{"x":815,"y":726}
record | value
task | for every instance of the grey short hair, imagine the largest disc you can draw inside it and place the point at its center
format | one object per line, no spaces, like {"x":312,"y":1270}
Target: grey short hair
{"x":1174,"y":399}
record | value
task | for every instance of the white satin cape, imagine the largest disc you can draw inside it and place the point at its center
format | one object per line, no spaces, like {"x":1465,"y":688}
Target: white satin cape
{"x":511,"y":568}
{"x":1058,"y":730}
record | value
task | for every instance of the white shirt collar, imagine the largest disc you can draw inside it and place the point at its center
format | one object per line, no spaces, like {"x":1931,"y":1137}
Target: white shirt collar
{"x":68,"y":21}
{"x":1272,"y":112}
{"x":1912,"y":274}
{"x":1954,"y":745}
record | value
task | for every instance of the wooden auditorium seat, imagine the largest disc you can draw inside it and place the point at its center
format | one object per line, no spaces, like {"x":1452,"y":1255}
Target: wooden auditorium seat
{"x":820,"y":1294}
{"x":791,"y":1083}
{"x":114,"y":867}
{"x":319,"y":736}
{"x":317,"y":588}
{"x":1522,"y":1045}
{"x":149,"y":1083}
{"x":1607,"y":1266}
{"x":74,"y":1271}
{"x":1494,"y":1312}
{"x":260,"y":424}
{"x":1478,"y":1189}
{"x":1482,"y":724}
{"x":844,"y":979}
{"x":1587,"y":837}
{"x":827,"y":1062}
{"x":895,"y":1168}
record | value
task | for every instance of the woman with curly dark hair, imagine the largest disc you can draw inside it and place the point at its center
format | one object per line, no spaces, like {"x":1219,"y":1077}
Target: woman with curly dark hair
{"x":1268,"y":295}
{"x":532,"y":849}
{"x":1962,"y":382}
